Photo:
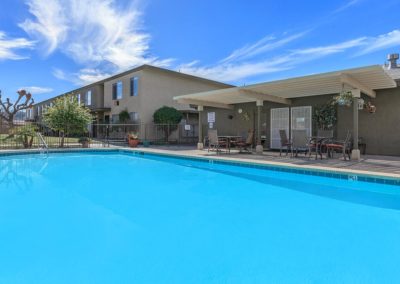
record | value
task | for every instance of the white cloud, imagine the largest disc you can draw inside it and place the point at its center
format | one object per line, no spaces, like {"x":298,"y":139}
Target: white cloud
{"x":262,"y":46}
{"x":60,"y":74}
{"x":236,"y":69}
{"x":345,"y":6}
{"x":380,"y":42}
{"x":9,"y":45}
{"x":37,"y":90}
{"x":82,"y":77}
{"x":87,"y":76}
{"x":92,"y":32}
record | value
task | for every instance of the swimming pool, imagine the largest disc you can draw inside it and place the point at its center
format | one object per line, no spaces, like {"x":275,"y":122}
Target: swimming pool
{"x":116,"y":217}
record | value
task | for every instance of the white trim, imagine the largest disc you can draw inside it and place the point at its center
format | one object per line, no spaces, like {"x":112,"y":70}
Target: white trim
{"x":274,"y":136}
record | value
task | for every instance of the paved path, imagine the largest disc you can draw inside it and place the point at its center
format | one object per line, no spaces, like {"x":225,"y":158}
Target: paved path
{"x":369,"y":163}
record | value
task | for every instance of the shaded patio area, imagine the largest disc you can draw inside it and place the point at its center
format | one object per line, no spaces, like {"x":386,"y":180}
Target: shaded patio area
{"x":291,"y":104}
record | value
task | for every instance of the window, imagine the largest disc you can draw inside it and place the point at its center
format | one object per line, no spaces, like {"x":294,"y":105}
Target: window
{"x":115,"y":118}
{"x":78,"y":98}
{"x":134,"y":86}
{"x":117,"y":91}
{"x":89,"y":98}
{"x":134,"y":116}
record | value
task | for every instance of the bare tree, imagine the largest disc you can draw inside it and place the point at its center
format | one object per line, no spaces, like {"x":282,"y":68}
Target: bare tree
{"x":8,"y":110}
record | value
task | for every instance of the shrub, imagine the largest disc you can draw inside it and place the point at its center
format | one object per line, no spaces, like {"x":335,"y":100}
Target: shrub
{"x":167,"y":115}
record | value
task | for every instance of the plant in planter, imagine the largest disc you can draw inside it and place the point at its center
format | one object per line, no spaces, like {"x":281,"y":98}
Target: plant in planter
{"x":85,"y":141}
{"x":370,"y":107}
{"x":345,"y":98}
{"x":324,"y":116}
{"x":133,"y":140}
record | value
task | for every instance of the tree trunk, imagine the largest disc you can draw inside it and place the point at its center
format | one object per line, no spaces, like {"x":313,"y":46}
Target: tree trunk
{"x":62,"y":139}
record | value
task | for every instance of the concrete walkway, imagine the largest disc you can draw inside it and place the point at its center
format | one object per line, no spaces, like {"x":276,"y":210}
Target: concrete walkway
{"x":369,"y":164}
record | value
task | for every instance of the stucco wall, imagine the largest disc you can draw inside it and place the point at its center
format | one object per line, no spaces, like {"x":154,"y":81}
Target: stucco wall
{"x":156,"y":89}
{"x":381,"y":130}
{"x":128,"y":102}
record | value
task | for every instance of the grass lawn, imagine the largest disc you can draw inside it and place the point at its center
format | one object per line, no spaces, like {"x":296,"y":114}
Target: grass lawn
{"x":52,"y":141}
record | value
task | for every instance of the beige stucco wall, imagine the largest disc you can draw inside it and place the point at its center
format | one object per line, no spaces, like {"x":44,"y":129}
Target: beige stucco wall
{"x":130,"y":103}
{"x":381,"y":130}
{"x":97,"y":97}
{"x":155,"y":89}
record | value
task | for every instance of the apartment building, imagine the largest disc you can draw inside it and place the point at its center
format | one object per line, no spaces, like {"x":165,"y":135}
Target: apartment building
{"x":140,"y":91}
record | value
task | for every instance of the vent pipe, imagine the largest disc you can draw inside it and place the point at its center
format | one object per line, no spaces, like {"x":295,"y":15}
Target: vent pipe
{"x":392,"y":58}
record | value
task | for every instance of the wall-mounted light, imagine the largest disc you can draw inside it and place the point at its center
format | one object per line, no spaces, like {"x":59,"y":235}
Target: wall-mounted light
{"x":240,"y":110}
{"x":360,"y":104}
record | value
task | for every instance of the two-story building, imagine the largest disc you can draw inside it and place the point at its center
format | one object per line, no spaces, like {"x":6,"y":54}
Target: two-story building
{"x":139,"y":91}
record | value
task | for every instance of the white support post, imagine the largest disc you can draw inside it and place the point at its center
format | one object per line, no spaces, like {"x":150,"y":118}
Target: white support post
{"x":355,"y":153}
{"x":200,"y":144}
{"x":259,"y":147}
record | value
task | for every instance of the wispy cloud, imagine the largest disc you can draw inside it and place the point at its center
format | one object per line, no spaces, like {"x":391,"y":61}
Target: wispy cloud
{"x":8,"y":47}
{"x":82,"y":77}
{"x":98,"y":34}
{"x":264,"y":45}
{"x":236,"y":69}
{"x":345,"y":6}
{"x":37,"y":90}
{"x":380,"y":42}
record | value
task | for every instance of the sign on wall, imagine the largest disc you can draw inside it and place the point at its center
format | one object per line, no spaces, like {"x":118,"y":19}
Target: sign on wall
{"x":187,"y":127}
{"x":211,"y":117}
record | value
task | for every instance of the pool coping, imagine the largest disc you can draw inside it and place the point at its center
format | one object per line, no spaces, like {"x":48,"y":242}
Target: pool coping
{"x":360,"y":175}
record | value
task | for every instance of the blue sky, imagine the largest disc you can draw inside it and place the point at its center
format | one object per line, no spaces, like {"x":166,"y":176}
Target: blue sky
{"x":52,"y":46}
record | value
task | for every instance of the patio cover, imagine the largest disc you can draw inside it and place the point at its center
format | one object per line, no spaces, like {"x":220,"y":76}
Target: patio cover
{"x":366,"y":79}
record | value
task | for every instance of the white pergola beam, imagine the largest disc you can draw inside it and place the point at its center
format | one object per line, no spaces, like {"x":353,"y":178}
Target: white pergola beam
{"x":350,"y":81}
{"x":204,"y":103}
{"x":264,"y":97}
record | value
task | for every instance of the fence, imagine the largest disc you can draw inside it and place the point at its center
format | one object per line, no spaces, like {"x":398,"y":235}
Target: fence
{"x":23,"y":135}
{"x":147,"y":133}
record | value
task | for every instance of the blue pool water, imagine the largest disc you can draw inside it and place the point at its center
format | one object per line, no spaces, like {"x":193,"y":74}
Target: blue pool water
{"x":120,"y":218}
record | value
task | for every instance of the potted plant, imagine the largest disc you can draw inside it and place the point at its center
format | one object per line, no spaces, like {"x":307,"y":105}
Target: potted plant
{"x":345,"y":98}
{"x":133,"y":140}
{"x":85,"y":141}
{"x":324,"y":116}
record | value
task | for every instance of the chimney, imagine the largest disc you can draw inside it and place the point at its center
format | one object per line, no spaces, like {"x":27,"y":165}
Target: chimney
{"x":392,"y":58}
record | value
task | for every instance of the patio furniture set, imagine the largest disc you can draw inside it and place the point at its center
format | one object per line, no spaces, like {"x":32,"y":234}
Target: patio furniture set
{"x":321,"y":144}
{"x":227,"y":142}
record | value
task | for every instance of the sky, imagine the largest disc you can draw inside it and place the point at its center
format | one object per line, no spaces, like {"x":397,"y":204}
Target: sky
{"x":49,"y":47}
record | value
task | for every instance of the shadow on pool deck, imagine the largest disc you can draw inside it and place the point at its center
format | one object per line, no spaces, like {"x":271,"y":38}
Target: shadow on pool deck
{"x":369,"y":163}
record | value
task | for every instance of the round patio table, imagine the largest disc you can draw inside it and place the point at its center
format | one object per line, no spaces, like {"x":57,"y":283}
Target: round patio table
{"x":318,"y":140}
{"x":229,"y":139}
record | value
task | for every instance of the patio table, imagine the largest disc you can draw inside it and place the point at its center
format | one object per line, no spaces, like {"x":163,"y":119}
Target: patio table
{"x":318,"y":144}
{"x":229,"y":139}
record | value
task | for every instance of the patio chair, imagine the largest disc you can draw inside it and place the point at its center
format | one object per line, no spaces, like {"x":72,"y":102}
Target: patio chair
{"x":285,"y":142}
{"x":300,"y":141}
{"x":214,"y":143}
{"x":343,"y":146}
{"x":245,"y":144}
{"x":324,"y":133}
{"x":317,"y":144}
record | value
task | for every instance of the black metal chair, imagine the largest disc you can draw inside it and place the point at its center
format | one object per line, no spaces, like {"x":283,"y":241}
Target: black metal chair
{"x":285,"y":142}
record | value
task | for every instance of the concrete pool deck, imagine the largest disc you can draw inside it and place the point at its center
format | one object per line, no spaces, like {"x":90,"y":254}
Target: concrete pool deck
{"x":379,"y":166}
{"x":384,"y":166}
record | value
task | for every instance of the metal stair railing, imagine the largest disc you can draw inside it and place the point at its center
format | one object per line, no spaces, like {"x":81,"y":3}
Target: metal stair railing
{"x":42,"y":145}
